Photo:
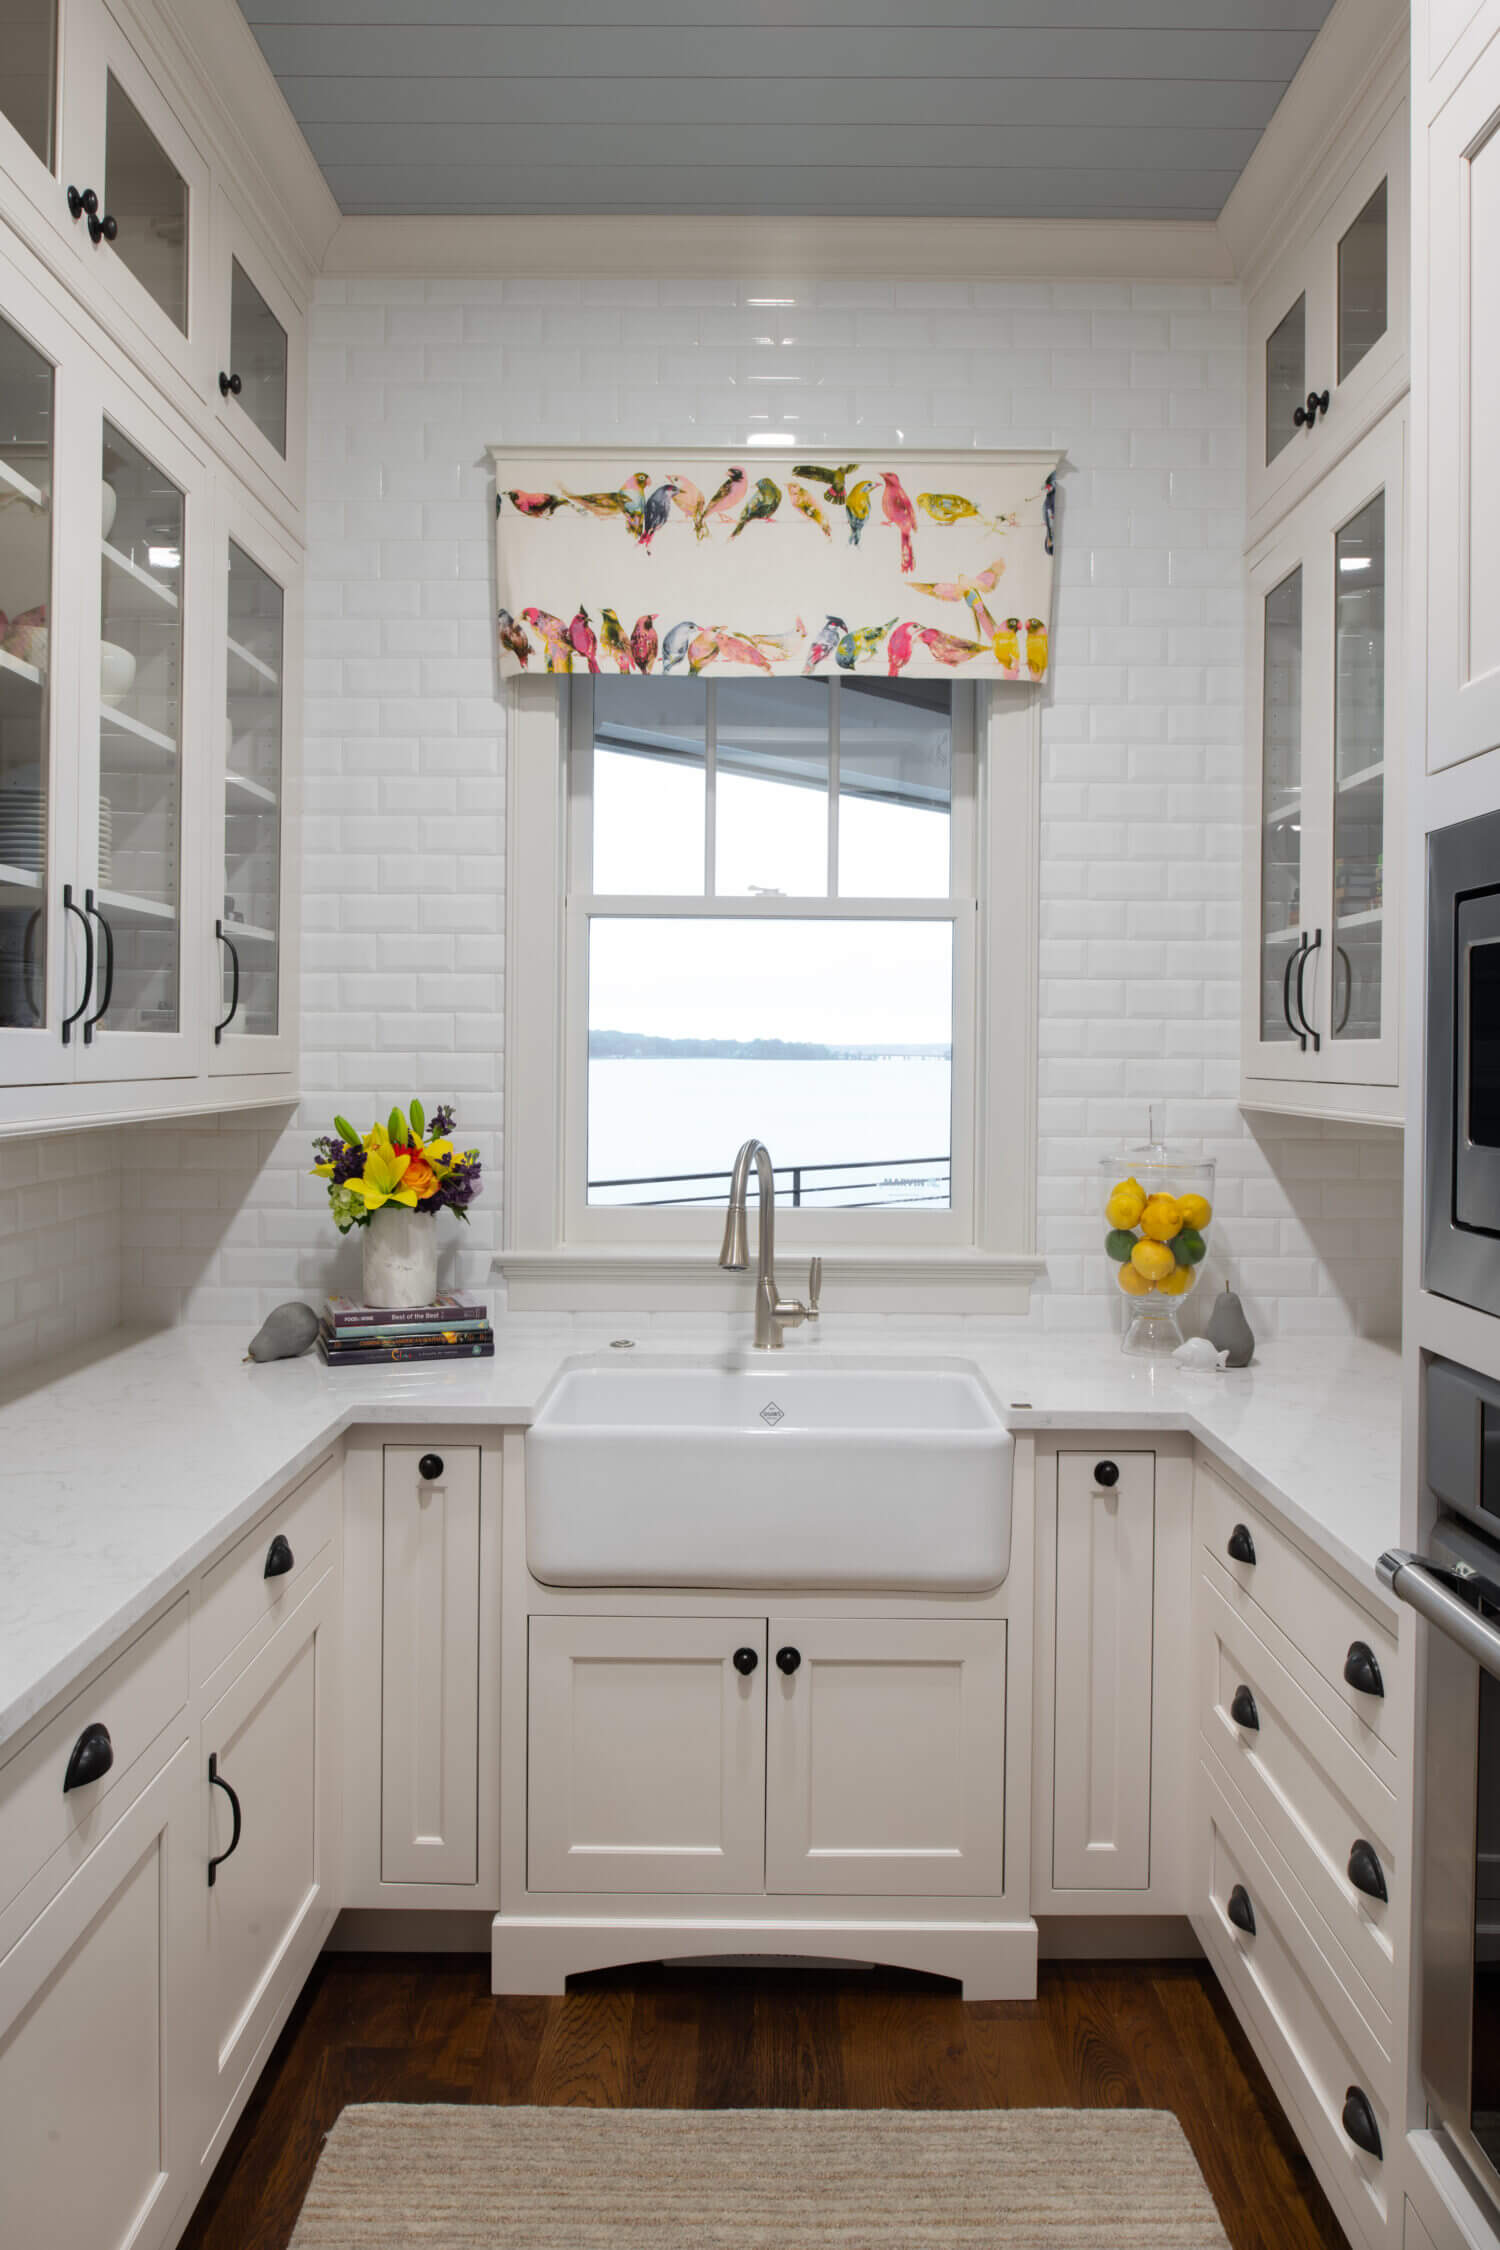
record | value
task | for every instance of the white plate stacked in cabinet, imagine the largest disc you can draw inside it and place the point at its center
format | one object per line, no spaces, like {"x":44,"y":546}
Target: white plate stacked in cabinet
{"x":1297,"y":1887}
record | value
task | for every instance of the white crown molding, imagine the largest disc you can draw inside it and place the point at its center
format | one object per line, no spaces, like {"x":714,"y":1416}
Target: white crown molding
{"x":1361,"y":56}
{"x":641,"y":1280}
{"x":780,"y":251}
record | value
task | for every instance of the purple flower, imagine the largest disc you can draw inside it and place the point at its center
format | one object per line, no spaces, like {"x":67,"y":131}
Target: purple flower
{"x":440,"y":1124}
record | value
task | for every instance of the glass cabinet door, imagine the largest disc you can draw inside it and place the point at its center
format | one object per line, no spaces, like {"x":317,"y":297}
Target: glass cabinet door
{"x":28,"y":78}
{"x":1281,"y":805}
{"x":257,"y":373}
{"x":1286,"y":377}
{"x":1362,"y":287}
{"x":27,"y":813}
{"x":147,"y":198}
{"x":248,"y":918}
{"x":1359,"y":771}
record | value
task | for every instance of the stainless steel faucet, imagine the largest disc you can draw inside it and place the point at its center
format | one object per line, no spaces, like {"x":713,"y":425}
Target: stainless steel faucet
{"x":773,"y":1313}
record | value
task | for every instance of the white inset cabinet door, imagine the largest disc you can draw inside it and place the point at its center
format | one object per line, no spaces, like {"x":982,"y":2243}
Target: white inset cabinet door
{"x":885,"y":1757}
{"x":647,"y":1754}
{"x":429,"y":1779}
{"x":95,"y":2069}
{"x":1102,"y":1681}
{"x":271,"y":1839}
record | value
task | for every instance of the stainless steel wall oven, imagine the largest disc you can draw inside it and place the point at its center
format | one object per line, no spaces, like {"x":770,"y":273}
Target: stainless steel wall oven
{"x":1461,"y":1246}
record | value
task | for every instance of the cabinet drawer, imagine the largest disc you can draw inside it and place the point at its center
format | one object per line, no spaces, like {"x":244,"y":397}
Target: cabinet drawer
{"x":43,"y":1824}
{"x":1284,"y":1992}
{"x":1327,"y":1626}
{"x":237,"y":1597}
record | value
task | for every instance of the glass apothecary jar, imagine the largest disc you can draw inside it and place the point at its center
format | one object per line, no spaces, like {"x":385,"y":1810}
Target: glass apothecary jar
{"x":1156,"y":1204}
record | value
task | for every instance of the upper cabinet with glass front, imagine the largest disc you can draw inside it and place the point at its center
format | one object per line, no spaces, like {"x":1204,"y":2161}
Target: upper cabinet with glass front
{"x":1328,"y":326}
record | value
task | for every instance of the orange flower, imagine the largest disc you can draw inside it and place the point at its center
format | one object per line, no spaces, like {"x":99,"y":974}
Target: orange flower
{"x":421,"y":1176}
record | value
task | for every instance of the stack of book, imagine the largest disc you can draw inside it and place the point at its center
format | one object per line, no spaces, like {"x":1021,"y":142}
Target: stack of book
{"x":456,"y":1327}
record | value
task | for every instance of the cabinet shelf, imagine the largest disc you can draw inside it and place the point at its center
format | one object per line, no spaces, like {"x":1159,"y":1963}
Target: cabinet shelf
{"x":19,"y":878}
{"x":1368,"y":777}
{"x":15,"y":679}
{"x":125,"y":907}
{"x":253,"y":796}
{"x":129,"y":744}
{"x":1366,"y":919}
{"x":11,"y":480}
{"x":249,"y":933}
{"x":134,"y":592}
{"x":260,"y":672}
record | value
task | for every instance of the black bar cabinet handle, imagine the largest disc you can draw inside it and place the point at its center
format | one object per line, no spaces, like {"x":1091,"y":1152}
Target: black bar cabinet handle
{"x":279,"y":1556}
{"x":1362,"y":1669}
{"x":234,"y":990}
{"x":1359,"y":2122}
{"x":1365,"y":1870}
{"x":1304,"y":956}
{"x":71,"y":906}
{"x":93,"y":1755}
{"x":217,"y":1781}
{"x":1241,"y":1547}
{"x":1241,"y":1913}
{"x":107,"y":956}
{"x":1243,"y":1710}
{"x":788,"y":1659}
{"x":745,"y":1661}
{"x":1293,"y":957}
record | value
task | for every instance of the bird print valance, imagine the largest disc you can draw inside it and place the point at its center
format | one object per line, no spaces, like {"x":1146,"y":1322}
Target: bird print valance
{"x":743,"y":563}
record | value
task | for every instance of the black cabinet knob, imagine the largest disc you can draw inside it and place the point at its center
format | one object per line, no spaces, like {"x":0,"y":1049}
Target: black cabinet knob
{"x":1359,"y":2122}
{"x":81,"y":200}
{"x":93,"y":1755}
{"x":230,"y":386}
{"x":1241,"y":1913}
{"x":1241,"y":1545}
{"x":788,"y":1659}
{"x":1242,"y":1709}
{"x":83,"y":203}
{"x":745,"y":1661}
{"x":1317,"y":403}
{"x":1362,"y":1669}
{"x":430,"y":1467}
{"x":1107,"y":1473}
{"x":279,"y":1557}
{"x":1365,"y":1870}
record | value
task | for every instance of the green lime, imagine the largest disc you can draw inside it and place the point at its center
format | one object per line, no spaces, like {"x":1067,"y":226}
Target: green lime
{"x":1119,"y":1242}
{"x":1189,"y":1247}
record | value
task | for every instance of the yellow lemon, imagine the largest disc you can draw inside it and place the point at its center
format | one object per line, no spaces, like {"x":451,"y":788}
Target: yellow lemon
{"x":1131,"y":1282}
{"x":1162,"y":1218}
{"x":1125,"y":1206}
{"x":1153,"y":1261}
{"x":1178,"y":1283}
{"x":1196,"y":1210}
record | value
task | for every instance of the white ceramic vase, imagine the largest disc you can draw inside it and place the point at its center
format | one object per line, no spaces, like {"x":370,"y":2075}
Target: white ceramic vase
{"x":401,"y":1253}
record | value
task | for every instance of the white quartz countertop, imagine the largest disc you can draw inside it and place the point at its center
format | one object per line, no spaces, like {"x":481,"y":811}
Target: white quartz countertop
{"x":135,"y":1461}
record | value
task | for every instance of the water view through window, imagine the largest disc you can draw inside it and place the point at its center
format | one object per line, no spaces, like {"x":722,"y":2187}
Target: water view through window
{"x":829,"y":1036}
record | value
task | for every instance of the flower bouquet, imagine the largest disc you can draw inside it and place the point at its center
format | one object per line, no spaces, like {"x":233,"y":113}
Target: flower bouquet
{"x":393,"y":1182}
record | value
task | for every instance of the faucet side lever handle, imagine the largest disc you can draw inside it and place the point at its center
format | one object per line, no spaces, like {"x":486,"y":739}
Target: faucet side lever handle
{"x":814,"y":1287}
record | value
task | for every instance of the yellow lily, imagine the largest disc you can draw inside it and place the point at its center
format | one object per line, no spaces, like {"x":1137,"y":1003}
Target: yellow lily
{"x":384,"y":1175}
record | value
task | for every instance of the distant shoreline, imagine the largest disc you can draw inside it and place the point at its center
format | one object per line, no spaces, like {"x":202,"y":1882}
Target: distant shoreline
{"x":640,"y":1046}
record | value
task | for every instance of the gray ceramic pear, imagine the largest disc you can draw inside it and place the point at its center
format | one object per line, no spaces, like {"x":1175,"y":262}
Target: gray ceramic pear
{"x":286,"y":1333}
{"x":1228,"y":1329}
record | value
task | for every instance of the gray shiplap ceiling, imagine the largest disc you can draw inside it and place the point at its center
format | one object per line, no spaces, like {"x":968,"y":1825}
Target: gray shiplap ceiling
{"x":1126,"y":109}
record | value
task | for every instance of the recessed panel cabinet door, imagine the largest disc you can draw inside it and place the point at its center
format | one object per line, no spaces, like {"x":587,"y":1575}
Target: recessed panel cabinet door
{"x":1106,"y":1563}
{"x":647,"y":1754}
{"x":429,"y":1734}
{"x":885,"y":1757}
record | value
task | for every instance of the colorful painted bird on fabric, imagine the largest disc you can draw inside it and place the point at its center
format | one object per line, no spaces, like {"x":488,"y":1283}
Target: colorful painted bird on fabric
{"x":675,"y":647}
{"x":761,"y":505}
{"x":948,"y":648}
{"x":829,"y":634}
{"x":862,"y":642}
{"x":643,"y":641}
{"x":832,"y":480}
{"x":581,"y":634}
{"x":743,"y":648}
{"x":1036,"y":647}
{"x":1049,"y":512}
{"x":555,"y":633}
{"x":627,"y":502}
{"x":900,"y":512}
{"x":615,"y":643}
{"x":655,"y":513}
{"x":857,"y":508}
{"x":536,"y":504}
{"x":946,"y":507}
{"x":967,"y":589}
{"x":514,"y":637}
{"x":689,"y":501}
{"x":703,"y":648}
{"x":805,"y":505}
{"x":1007,"y":646}
{"x":724,"y":502}
{"x":898,"y":650}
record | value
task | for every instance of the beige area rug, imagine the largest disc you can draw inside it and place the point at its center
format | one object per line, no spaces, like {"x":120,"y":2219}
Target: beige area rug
{"x":394,"y":2175}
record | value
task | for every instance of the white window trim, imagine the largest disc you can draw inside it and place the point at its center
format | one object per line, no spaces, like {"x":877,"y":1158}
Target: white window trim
{"x":980,"y":1257}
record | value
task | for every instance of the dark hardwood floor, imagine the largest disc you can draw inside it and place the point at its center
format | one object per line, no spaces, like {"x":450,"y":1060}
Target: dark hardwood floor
{"x":407,"y":2028}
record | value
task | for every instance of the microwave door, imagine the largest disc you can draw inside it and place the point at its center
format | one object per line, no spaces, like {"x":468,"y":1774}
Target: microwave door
{"x":1476,"y":1109}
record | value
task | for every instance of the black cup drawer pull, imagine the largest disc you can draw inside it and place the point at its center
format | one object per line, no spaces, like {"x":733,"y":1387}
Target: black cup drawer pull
{"x":1241,"y":1913}
{"x":745,"y":1661}
{"x":279,"y":1556}
{"x":1243,"y":1710}
{"x":1362,"y":1669}
{"x":1359,"y":2122}
{"x":1241,"y":1545}
{"x":217,"y":1781}
{"x":93,"y":1755}
{"x":1365,"y":1870}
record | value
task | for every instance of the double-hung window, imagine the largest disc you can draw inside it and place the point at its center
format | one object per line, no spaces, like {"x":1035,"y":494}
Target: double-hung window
{"x":769,"y":908}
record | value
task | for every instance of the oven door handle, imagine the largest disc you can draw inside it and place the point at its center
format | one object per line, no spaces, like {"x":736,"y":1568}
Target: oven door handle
{"x":1432,"y":1590}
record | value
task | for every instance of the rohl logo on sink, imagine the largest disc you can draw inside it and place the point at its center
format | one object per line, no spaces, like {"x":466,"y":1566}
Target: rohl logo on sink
{"x":771,"y":1414}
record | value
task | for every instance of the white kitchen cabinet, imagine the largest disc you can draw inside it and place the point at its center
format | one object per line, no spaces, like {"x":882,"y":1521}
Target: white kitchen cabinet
{"x":260,"y":356}
{"x":270,"y":1855}
{"x":96,"y":2062}
{"x":429,"y":1717}
{"x":885,"y":1756}
{"x":647,"y":1754}
{"x":1328,"y":328}
{"x":1321,"y":1031}
{"x":1102,"y":1678}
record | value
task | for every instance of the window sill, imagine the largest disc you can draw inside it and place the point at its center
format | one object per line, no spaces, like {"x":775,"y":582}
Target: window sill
{"x":870,"y":1281}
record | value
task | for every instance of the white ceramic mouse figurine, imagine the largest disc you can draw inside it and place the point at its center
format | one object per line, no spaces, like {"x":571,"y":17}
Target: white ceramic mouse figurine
{"x":1199,"y":1353}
